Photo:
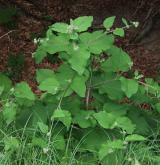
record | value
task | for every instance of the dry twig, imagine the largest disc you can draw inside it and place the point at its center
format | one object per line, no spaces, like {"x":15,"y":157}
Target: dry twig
{"x":6,"y":34}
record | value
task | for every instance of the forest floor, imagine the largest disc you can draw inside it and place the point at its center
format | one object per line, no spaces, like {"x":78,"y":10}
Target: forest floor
{"x":145,"y":54}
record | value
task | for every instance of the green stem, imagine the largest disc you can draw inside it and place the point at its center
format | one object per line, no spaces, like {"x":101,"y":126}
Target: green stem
{"x":59,"y":107}
{"x":108,"y":32}
{"x":65,"y":91}
{"x":89,"y":90}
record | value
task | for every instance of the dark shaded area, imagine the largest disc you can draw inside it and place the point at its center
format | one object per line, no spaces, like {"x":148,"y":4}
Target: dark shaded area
{"x":33,"y":17}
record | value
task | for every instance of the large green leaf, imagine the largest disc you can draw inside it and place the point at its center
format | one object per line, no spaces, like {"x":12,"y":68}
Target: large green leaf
{"x":83,"y":23}
{"x":110,"y":147}
{"x":107,"y":83}
{"x":11,"y":143}
{"x":79,"y":85}
{"x":60,"y":27}
{"x":125,"y":22}
{"x":5,"y":83}
{"x":116,"y":109}
{"x":79,"y":58}
{"x":72,"y":104}
{"x":57,"y":44}
{"x":97,"y":42}
{"x":84,"y":119}
{"x":50,"y":85}
{"x":106,"y":120}
{"x":125,"y":124}
{"x":119,"y":61}
{"x":59,"y":142}
{"x":108,"y":22}
{"x":9,"y":113}
{"x":129,"y":86}
{"x":157,"y":106}
{"x":63,"y":116}
{"x":119,"y":32}
{"x":94,"y":138}
{"x":152,"y":86}
{"x":40,"y":114}
{"x":40,"y":54}
{"x":42,"y":74}
{"x":1,"y":90}
{"x":23,"y":91}
{"x":39,"y":142}
{"x":117,"y":156}
{"x":65,"y":75}
{"x":140,"y":97}
{"x":142,"y":126}
{"x":134,"y":137}
{"x":43,"y":127}
{"x":112,"y":89}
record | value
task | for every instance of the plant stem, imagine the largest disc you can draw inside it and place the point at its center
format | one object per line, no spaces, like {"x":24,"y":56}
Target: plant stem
{"x":65,"y":91}
{"x":88,"y":91}
{"x":147,"y":85}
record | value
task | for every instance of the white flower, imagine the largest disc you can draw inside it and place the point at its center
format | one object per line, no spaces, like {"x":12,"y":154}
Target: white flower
{"x":45,"y":150}
{"x":71,"y":28}
{"x":33,"y":55}
{"x":127,"y":26}
{"x":35,"y":40}
{"x":49,"y":133}
{"x":136,"y":24}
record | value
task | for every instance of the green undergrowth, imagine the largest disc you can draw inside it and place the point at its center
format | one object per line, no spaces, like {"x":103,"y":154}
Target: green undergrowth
{"x":88,"y":112}
{"x":7,"y":17}
{"x":15,"y":65}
